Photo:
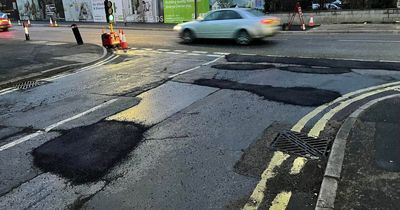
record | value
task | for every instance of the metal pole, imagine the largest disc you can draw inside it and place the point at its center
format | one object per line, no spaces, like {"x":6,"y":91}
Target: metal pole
{"x":195,"y":10}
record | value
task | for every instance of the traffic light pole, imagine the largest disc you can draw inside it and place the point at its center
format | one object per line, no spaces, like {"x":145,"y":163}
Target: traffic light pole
{"x":111,"y":27}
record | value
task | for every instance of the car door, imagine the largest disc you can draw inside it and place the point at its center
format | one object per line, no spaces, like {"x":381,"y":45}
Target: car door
{"x":228,"y":22}
{"x":206,"y":28}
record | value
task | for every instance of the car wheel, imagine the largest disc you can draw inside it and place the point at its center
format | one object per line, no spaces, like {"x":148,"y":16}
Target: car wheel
{"x":243,"y":38}
{"x":187,"y":36}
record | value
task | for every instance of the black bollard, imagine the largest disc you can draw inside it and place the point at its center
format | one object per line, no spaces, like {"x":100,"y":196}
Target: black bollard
{"x":77,"y":34}
{"x":27,"y":38}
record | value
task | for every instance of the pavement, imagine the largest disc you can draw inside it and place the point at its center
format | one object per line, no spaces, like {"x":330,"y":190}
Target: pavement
{"x":323,"y":28}
{"x":33,"y":59}
{"x":363,"y":171}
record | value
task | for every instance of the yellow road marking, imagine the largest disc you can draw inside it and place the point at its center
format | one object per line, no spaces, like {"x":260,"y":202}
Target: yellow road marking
{"x":303,"y":121}
{"x":320,"y":125}
{"x":298,"y":164}
{"x":281,"y":201}
{"x":257,"y":196}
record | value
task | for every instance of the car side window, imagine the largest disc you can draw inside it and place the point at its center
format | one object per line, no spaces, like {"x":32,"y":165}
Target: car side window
{"x":212,"y":16}
{"x":229,"y":15}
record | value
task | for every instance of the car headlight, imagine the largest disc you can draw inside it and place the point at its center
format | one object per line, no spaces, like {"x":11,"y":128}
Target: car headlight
{"x":177,"y":28}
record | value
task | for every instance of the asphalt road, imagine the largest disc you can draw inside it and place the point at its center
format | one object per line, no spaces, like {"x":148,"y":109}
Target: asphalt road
{"x":173,"y":126}
{"x":370,"y":46}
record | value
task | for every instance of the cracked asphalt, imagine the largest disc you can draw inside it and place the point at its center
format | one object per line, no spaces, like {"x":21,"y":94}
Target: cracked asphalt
{"x":167,"y":129}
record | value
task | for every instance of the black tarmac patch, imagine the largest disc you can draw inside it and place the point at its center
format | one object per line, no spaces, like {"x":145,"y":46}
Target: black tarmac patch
{"x":313,"y":70}
{"x":303,"y":96}
{"x":85,"y":154}
{"x":242,"y":67}
{"x":351,"y":64}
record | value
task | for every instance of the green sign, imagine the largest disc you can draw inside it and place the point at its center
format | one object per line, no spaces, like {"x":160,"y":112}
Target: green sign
{"x":178,"y":11}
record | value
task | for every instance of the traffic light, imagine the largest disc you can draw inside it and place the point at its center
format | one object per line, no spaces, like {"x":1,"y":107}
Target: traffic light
{"x":108,"y":6}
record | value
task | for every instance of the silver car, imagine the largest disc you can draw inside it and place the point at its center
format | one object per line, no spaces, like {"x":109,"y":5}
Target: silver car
{"x":243,"y":25}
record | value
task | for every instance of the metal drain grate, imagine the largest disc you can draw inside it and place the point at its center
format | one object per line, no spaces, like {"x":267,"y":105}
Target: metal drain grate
{"x":28,"y":84}
{"x":300,"y":144}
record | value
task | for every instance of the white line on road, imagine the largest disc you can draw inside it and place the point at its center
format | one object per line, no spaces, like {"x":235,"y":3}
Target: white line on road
{"x":210,"y":62}
{"x":50,"y":127}
{"x":199,"y":52}
{"x":20,"y":140}
{"x":7,"y":90}
{"x":210,"y":55}
{"x":368,"y":40}
{"x":180,"y":51}
{"x":173,"y":53}
{"x":183,"y":72}
{"x":164,"y":50}
{"x":192,"y":54}
{"x":194,"y":68}
{"x":221,"y":53}
{"x":148,"y":49}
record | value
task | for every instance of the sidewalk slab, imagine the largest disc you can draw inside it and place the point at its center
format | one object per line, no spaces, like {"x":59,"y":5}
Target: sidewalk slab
{"x":371,"y":168}
{"x":28,"y":58}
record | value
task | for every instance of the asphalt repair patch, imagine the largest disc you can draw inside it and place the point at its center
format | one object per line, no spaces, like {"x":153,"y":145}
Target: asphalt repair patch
{"x":85,"y":154}
{"x":303,"y":96}
{"x":315,"y":70}
{"x":242,"y":66}
{"x":333,"y":63}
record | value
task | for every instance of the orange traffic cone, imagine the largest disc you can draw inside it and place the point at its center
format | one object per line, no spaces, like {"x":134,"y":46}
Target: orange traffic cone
{"x":311,"y":23}
{"x":120,"y":35}
{"x":123,"y":44}
{"x":55,"y":23}
{"x":51,"y":23}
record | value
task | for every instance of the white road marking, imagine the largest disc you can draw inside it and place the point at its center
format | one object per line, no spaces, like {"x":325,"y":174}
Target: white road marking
{"x":199,"y":52}
{"x":192,"y":54}
{"x":111,"y":58}
{"x":183,"y":72}
{"x":368,"y":40}
{"x":7,"y":90}
{"x":133,"y":48}
{"x":210,"y":62}
{"x":221,"y":53}
{"x":20,"y":140}
{"x":180,"y":51}
{"x":172,"y":53}
{"x":50,"y":127}
{"x":211,"y":55}
{"x":148,"y":49}
{"x":164,"y":50}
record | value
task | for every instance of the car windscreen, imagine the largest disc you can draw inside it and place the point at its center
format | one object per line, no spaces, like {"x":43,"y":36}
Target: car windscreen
{"x":256,"y":13}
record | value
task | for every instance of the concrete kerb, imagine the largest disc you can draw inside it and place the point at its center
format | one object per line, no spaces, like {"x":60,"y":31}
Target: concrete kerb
{"x":330,"y":182}
{"x":49,"y":72}
{"x":118,"y":26}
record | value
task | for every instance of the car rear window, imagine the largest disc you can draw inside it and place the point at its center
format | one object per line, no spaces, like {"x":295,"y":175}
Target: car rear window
{"x":255,"y":12}
{"x":2,"y":15}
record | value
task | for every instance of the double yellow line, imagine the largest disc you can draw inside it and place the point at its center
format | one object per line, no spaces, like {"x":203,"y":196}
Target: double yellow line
{"x":282,"y":199}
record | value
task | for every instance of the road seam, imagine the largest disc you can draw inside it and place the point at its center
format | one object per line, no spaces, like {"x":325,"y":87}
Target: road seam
{"x":327,"y":194}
